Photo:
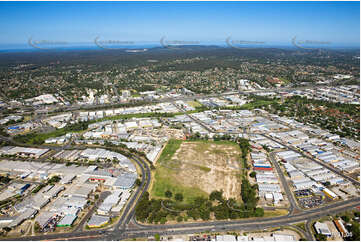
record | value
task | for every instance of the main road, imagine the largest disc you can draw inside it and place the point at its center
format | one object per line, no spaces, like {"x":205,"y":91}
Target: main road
{"x":122,"y":230}
{"x":189,"y":228}
{"x":75,"y":107}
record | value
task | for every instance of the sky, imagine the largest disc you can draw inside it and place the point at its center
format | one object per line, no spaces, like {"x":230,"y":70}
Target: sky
{"x":336,"y":22}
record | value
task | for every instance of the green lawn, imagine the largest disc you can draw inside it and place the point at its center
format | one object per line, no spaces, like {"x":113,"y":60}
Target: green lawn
{"x":163,"y":176}
{"x":172,"y":146}
{"x":194,"y":104}
{"x":285,"y":81}
{"x":39,"y":138}
{"x":138,"y":115}
{"x":275,"y":213}
{"x":164,"y":181}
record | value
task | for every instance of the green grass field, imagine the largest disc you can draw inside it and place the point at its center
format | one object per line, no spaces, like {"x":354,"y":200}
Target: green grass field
{"x":164,"y":181}
{"x":163,"y":176}
{"x":194,"y":104}
{"x":172,"y":146}
{"x":275,"y":213}
{"x":285,"y":81}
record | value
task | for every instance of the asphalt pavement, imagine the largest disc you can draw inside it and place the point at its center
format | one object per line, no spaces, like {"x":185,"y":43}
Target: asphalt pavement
{"x":293,"y":203}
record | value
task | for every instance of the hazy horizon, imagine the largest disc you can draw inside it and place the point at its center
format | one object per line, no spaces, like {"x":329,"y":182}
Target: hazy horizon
{"x":336,"y":23}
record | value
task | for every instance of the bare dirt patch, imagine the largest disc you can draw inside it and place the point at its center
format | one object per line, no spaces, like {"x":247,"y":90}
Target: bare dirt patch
{"x":209,"y":166}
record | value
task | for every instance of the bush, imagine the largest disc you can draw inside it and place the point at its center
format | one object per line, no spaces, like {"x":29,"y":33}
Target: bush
{"x":138,"y":182}
{"x":168,"y":194}
{"x":38,"y":188}
{"x":178,"y":197}
{"x":157,"y":237}
{"x":54,"y":179}
{"x":345,"y":218}
{"x":321,"y":237}
{"x":253,"y":174}
{"x":163,"y":220}
{"x":216,"y":195}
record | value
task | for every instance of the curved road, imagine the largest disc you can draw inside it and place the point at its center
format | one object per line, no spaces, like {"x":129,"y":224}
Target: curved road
{"x":132,"y":203}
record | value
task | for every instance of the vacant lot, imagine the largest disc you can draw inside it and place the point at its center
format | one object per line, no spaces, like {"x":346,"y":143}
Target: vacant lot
{"x":196,"y":168}
{"x":194,"y":104}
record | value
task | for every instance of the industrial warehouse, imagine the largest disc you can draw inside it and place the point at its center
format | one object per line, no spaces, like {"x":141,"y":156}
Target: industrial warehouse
{"x":58,"y":195}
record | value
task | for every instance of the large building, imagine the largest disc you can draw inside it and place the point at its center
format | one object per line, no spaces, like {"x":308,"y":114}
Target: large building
{"x":23,"y":151}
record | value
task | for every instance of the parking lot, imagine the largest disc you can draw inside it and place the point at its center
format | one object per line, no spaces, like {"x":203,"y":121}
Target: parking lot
{"x":303,"y":193}
{"x":310,"y":202}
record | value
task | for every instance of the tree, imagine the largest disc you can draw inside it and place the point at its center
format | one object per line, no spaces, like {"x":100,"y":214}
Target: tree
{"x":157,"y":237}
{"x":248,"y":194}
{"x":138,"y":182}
{"x":216,"y":195}
{"x":346,"y":218}
{"x":163,"y":220}
{"x":259,"y":212}
{"x":355,"y":230}
{"x":253,"y":174}
{"x":37,"y":227}
{"x":193,"y":213}
{"x":168,"y":194}
{"x":266,"y":148}
{"x":178,"y":197}
{"x":321,"y":237}
{"x":7,"y":229}
{"x":54,"y":179}
{"x":179,"y":219}
{"x":143,"y":208}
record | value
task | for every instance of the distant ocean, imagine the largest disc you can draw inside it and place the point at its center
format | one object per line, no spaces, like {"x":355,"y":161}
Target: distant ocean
{"x":8,"y":48}
{"x":87,"y":46}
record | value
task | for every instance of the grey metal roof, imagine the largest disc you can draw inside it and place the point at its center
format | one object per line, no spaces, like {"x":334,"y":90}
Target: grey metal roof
{"x":97,"y":220}
{"x":67,"y":219}
{"x":125,"y":180}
